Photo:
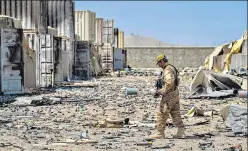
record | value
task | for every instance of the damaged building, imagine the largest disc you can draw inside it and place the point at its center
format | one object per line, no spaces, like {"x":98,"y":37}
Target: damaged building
{"x":54,"y":44}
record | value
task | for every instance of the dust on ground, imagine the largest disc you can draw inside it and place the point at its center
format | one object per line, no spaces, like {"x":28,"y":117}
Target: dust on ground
{"x":62,"y":126}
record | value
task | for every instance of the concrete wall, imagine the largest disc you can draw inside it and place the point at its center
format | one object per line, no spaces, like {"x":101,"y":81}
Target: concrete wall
{"x":180,"y":56}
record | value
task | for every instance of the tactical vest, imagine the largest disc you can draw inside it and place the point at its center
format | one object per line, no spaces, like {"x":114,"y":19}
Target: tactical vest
{"x":176,"y":74}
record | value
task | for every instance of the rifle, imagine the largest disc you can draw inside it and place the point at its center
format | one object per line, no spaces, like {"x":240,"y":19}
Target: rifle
{"x":158,"y":85}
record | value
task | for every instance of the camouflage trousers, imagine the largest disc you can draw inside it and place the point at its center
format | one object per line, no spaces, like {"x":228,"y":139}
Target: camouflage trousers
{"x":169,"y":106}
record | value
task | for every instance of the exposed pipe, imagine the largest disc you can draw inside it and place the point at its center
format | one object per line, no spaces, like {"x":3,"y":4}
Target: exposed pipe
{"x":131,"y":91}
{"x":242,"y":94}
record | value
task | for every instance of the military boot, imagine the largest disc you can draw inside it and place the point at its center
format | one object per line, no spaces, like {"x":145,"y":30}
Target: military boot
{"x":158,"y":135}
{"x":180,"y":133}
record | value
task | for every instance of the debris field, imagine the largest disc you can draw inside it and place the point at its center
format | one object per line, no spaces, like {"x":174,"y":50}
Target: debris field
{"x":77,"y":116}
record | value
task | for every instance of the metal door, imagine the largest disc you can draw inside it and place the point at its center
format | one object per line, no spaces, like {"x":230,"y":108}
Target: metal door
{"x":11,"y":61}
{"x":58,"y":66}
{"x":46,"y":61}
{"x":82,"y":60}
{"x":118,"y":62}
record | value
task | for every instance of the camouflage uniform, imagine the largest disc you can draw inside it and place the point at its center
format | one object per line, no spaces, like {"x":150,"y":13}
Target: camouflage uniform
{"x":169,"y":103}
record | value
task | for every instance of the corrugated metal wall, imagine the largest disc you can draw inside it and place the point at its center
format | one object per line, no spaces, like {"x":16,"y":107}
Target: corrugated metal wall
{"x":238,"y":60}
{"x":99,"y":22}
{"x":61,"y":17}
{"x":116,"y":37}
{"x":121,"y":40}
{"x":108,"y":31}
{"x":38,"y":14}
{"x":85,"y":23}
{"x":32,"y":13}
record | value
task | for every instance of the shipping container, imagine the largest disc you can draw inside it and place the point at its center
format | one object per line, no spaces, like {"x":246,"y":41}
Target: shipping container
{"x":11,"y":65}
{"x":33,"y":14}
{"x":124,"y":57}
{"x":71,"y":54}
{"x":116,"y":36}
{"x":118,"y":59}
{"x":99,"y":23}
{"x":108,"y":32}
{"x":38,"y":14}
{"x":82,"y":60}
{"x":31,"y":52}
{"x":107,"y":57}
{"x":238,"y":60}
{"x":121,"y":40}
{"x":38,"y":60}
{"x":61,"y":16}
{"x":85,"y":23}
{"x":46,"y":61}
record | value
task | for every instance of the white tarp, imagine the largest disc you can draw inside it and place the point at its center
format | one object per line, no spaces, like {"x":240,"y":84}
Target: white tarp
{"x":210,"y":84}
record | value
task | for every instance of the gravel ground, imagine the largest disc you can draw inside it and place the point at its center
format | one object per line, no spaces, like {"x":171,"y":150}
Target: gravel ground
{"x":74,"y":110}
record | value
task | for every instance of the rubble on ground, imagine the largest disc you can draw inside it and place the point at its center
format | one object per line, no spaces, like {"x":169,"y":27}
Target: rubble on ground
{"x":98,"y":115}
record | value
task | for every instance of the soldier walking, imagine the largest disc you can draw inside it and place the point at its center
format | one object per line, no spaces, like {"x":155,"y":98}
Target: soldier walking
{"x":170,"y":100}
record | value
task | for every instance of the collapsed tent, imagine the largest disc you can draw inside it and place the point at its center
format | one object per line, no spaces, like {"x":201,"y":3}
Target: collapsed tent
{"x":214,"y":85}
{"x":222,"y":57}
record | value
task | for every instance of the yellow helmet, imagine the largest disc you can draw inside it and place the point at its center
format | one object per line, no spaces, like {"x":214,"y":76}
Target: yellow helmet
{"x":161,"y":57}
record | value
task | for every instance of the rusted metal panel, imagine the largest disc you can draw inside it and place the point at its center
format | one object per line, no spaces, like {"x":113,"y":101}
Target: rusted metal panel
{"x":11,"y":61}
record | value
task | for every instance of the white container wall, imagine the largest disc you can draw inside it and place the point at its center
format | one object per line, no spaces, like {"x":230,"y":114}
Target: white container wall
{"x":31,"y":13}
{"x":46,"y":61}
{"x":85,"y":22}
{"x":121,"y":40}
{"x":58,"y":63}
{"x":99,"y":23}
{"x":108,"y":31}
{"x":38,"y":60}
{"x":65,"y":58}
{"x":31,"y":52}
{"x":61,"y":17}
{"x":11,"y":65}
